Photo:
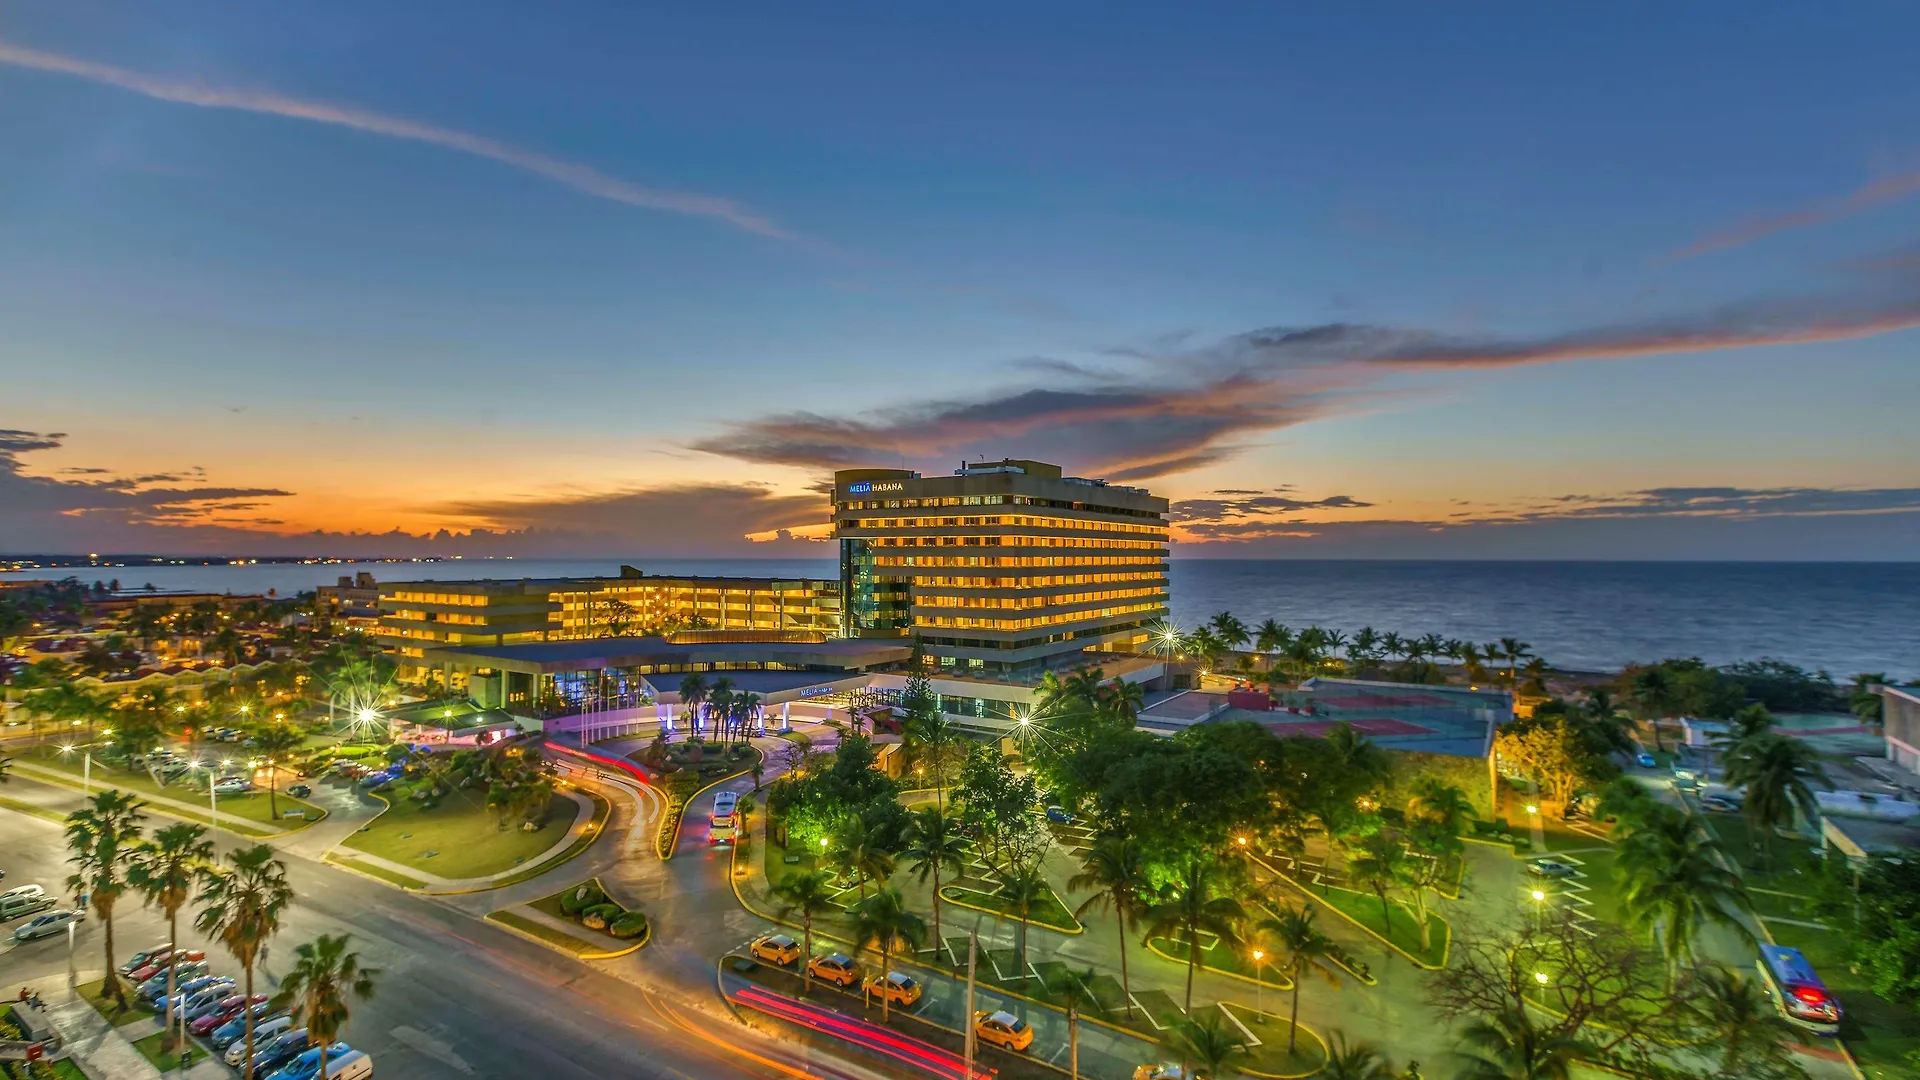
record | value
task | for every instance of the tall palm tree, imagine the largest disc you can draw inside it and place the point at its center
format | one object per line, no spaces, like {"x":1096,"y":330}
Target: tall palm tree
{"x":1366,"y":645}
{"x":274,"y":742}
{"x":163,"y":870}
{"x":1121,"y":701}
{"x":1074,"y":996}
{"x":1230,"y":630}
{"x":1863,"y":702}
{"x":1303,"y":950}
{"x":1740,"y":1019}
{"x":1115,"y":872}
{"x":1198,"y":904}
{"x":693,"y":691}
{"x":1356,"y":754}
{"x":861,"y":853}
{"x":1354,"y":1061}
{"x":1382,"y":865}
{"x":1207,"y":1044}
{"x":1654,"y":697}
{"x":1777,"y":772}
{"x":1513,"y":650}
{"x":931,"y":732}
{"x":101,"y":839}
{"x":805,"y":895}
{"x":1271,"y":637}
{"x":1022,"y":887}
{"x":1507,"y":1046}
{"x":241,"y":905}
{"x":883,"y":922}
{"x":1673,"y":880}
{"x":324,"y":977}
{"x":1437,"y":803}
{"x":934,"y":844}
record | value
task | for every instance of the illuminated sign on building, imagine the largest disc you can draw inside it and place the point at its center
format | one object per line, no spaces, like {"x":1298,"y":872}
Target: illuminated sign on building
{"x":866,"y":486}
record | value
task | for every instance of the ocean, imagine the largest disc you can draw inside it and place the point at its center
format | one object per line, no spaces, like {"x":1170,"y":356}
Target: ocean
{"x":1589,"y":616}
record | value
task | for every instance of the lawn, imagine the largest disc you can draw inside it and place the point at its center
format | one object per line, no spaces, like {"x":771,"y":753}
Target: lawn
{"x":551,"y":935}
{"x":250,"y":807}
{"x":1399,"y":931}
{"x":460,"y":838}
{"x":1048,"y":911}
{"x":1880,"y":1033}
{"x":1792,"y":868}
{"x":1218,"y":956}
{"x":94,"y":994}
{"x":164,"y":1060}
{"x":1271,"y":1058}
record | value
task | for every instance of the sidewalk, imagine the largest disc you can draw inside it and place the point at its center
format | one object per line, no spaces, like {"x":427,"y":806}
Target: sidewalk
{"x":103,"y":1051}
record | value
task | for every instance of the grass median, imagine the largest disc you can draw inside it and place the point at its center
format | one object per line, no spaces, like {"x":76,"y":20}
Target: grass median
{"x":253,"y":807}
{"x":459,"y":838}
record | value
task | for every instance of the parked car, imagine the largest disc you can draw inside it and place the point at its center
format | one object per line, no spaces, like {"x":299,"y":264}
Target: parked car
{"x":1721,"y":803}
{"x":1004,"y":1030}
{"x":232,"y":785}
{"x":898,"y":988}
{"x":300,"y":791}
{"x":231,"y":1037}
{"x":1646,"y":760}
{"x":53,"y":922}
{"x":1160,"y":1072}
{"x":1059,"y":815}
{"x":291,"y":1044}
{"x":226,"y":1009}
{"x":24,"y":900}
{"x":144,"y":957}
{"x":155,"y":987}
{"x":836,"y":968}
{"x":198,"y":1004}
{"x":307,"y":1063}
{"x":775,"y":949}
{"x":1551,"y":868}
{"x":357,"y":1065}
{"x":159,"y":963}
{"x":189,"y":989}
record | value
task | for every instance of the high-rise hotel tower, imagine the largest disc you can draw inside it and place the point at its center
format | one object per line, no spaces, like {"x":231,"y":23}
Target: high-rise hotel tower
{"x":1002,"y":570}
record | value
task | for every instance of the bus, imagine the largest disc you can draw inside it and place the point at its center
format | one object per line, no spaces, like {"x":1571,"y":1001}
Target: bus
{"x":1796,"y":991}
{"x":723,"y":824}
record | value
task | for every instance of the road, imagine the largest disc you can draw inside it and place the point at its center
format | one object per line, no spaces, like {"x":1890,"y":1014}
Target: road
{"x":457,"y":997}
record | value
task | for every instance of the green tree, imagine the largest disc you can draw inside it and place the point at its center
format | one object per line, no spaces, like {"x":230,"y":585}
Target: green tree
{"x":1673,"y":881}
{"x":1777,"y":772}
{"x":1198,"y":903}
{"x":1116,"y":875}
{"x":1304,"y":951}
{"x":1074,"y":996}
{"x":241,"y":904}
{"x":1513,"y":650}
{"x":693,"y":692}
{"x":862,"y":852}
{"x":324,"y":980}
{"x":1735,"y":1015}
{"x":883,"y":923}
{"x":1022,"y":887}
{"x":101,"y":840}
{"x":1354,"y":1061}
{"x":163,"y":870}
{"x":1230,"y":630}
{"x":275,"y":742}
{"x":805,"y":895}
{"x":1383,"y":865}
{"x":1508,"y":1046}
{"x":1863,"y":702}
{"x":1208,"y":1045}
{"x":934,"y":845}
{"x":1270,"y":637}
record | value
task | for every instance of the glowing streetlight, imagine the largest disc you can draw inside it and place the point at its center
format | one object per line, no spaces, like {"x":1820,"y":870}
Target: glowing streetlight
{"x":1532,"y":809}
{"x":1540,"y":977}
{"x":1259,"y":984}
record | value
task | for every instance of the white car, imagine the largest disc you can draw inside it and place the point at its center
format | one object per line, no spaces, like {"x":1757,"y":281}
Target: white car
{"x":53,"y":922}
{"x":264,"y":1032}
{"x":232,"y":785}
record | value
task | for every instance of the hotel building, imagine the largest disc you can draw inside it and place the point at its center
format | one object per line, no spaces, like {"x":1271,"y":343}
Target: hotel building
{"x":1005,"y":569}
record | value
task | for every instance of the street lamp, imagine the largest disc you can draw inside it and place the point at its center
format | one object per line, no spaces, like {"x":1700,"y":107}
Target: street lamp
{"x":1532,"y":809}
{"x":1259,"y":985}
{"x":1539,"y":903}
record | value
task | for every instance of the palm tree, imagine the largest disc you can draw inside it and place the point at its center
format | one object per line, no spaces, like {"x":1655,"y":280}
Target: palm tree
{"x":1740,"y":1019}
{"x":1673,"y":880}
{"x":324,"y":976}
{"x":1074,"y":997}
{"x":1208,"y":1044}
{"x":1271,"y":637}
{"x":932,"y":732}
{"x":1199,"y":904}
{"x":1022,"y":887}
{"x":1513,"y":650}
{"x":1507,"y":1046}
{"x":1304,"y":950}
{"x":860,"y":853}
{"x":693,"y":691}
{"x":163,"y":870}
{"x":883,"y":922}
{"x":1354,"y":1061}
{"x":1863,"y":702}
{"x":1121,"y":700}
{"x":1366,"y":645}
{"x":1654,"y":697}
{"x":241,"y":905}
{"x":1777,"y":773}
{"x":1229,"y":629}
{"x":1382,"y":865}
{"x":1356,"y":754}
{"x":1439,"y":804}
{"x":274,"y":742}
{"x":806,"y":895}
{"x":100,"y":841}
{"x":934,"y":844}
{"x":1117,"y":875}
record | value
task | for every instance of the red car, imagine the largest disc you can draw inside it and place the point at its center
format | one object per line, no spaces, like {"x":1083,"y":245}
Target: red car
{"x":155,"y":967}
{"x":228,"y":1008}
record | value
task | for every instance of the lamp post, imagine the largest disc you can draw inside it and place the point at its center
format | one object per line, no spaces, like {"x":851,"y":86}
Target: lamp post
{"x":1539,"y":902}
{"x":1259,"y":986}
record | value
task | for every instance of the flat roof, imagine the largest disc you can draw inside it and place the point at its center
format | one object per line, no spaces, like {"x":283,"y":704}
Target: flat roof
{"x":549,"y":657}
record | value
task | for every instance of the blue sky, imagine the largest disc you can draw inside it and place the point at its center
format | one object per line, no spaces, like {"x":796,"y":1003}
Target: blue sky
{"x":596,"y":264}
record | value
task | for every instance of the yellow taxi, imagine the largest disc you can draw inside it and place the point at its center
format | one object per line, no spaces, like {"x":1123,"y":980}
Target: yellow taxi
{"x":1152,"y":1071}
{"x":1004,"y":1030}
{"x":836,"y":968}
{"x":896,"y":988}
{"x":775,"y":949}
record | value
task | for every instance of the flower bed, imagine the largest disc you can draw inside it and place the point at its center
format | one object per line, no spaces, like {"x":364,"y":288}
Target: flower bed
{"x":588,"y":904}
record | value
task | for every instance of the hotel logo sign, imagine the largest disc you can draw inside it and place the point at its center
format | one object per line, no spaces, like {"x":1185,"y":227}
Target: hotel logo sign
{"x":866,"y":487}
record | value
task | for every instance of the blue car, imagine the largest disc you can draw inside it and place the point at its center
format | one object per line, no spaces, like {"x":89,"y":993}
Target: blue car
{"x":307,"y":1065}
{"x":1059,"y":815}
{"x":1646,"y":760}
{"x":235,"y":1029}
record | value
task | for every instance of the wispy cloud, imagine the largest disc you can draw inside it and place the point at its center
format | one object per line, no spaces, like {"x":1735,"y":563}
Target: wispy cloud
{"x":582,"y":178}
{"x":1880,"y":192}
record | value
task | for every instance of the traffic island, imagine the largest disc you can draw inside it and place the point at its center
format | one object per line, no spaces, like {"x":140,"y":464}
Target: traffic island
{"x":458,"y":837}
{"x":1266,"y":1042}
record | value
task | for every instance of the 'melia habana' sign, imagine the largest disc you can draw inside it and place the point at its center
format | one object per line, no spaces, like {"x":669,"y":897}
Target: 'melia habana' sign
{"x":866,"y":486}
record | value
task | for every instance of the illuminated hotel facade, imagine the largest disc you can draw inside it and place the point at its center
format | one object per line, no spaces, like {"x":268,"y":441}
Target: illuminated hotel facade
{"x":1003,"y":570}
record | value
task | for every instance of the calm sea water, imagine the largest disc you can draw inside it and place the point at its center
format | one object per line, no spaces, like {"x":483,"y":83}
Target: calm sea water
{"x":1844,"y":617}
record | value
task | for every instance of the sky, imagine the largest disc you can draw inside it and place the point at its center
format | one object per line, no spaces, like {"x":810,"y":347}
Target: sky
{"x":601,"y":278}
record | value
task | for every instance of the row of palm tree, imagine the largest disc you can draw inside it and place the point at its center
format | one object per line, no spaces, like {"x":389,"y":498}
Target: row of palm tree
{"x":1313,"y":650}
{"x":734,"y":714}
{"x":241,"y":901}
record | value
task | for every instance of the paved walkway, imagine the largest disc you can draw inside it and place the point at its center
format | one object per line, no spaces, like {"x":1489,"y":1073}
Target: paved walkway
{"x":103,"y":1051}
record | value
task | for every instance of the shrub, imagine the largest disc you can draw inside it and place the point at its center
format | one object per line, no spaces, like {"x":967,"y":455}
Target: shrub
{"x":598,"y":916}
{"x":629,"y":925}
{"x":582,"y":897}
